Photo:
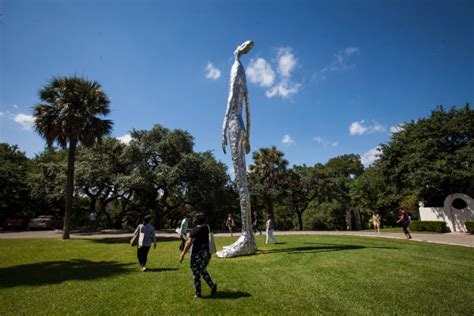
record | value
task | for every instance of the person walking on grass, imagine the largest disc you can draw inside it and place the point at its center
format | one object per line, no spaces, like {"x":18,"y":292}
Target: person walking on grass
{"x":230,"y":223}
{"x":146,"y":236}
{"x":405,"y":221}
{"x":255,"y":223}
{"x":182,"y":231}
{"x":270,"y":227}
{"x":376,"y":221}
{"x":200,"y":255}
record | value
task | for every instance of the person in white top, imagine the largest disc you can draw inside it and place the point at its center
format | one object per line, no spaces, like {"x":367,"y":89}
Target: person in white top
{"x":270,"y":227}
{"x":182,"y":231}
{"x":376,"y":221}
{"x":146,"y":236}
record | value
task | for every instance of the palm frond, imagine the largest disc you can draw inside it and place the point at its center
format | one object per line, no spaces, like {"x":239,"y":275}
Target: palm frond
{"x":70,"y":111}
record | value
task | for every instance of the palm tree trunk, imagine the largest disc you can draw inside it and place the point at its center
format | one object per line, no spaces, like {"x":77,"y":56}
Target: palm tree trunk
{"x":69,"y":187}
{"x":270,"y":210}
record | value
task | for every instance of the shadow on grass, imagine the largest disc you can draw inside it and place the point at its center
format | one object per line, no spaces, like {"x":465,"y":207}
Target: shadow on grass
{"x":232,"y":295}
{"x":126,"y":240}
{"x":54,"y":272}
{"x":160,"y":269}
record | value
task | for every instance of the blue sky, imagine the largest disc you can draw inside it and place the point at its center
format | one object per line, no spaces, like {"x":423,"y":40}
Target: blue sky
{"x":325,"y":78}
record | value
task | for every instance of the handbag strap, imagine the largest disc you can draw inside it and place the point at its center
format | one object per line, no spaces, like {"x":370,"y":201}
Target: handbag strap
{"x":140,"y":229}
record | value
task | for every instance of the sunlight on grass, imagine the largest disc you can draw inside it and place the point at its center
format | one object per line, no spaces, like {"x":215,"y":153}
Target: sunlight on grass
{"x":300,"y":275}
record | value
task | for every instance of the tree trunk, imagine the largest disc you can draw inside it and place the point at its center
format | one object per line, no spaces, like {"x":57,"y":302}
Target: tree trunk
{"x":69,"y":187}
{"x":270,"y":210}
{"x":300,"y":220}
{"x":103,"y":207}
{"x":358,"y":222}
{"x":348,"y":219}
{"x":92,"y":203}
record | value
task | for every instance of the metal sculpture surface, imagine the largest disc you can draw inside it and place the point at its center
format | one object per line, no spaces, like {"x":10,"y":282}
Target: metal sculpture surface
{"x":239,"y":136}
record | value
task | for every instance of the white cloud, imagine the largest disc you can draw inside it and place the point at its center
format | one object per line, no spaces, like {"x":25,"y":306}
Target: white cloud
{"x":15,"y":106}
{"x":25,"y":120}
{"x":2,"y":114}
{"x":286,"y":62}
{"x":377,"y":128}
{"x":125,"y":139}
{"x":396,"y":129}
{"x":287,"y":140}
{"x":339,"y":62}
{"x":260,"y":72}
{"x":319,"y":140}
{"x":358,"y":128}
{"x":351,"y":50}
{"x":371,"y":156}
{"x":279,"y":84}
{"x":212,"y":72}
{"x":325,"y":142}
{"x":283,"y":89}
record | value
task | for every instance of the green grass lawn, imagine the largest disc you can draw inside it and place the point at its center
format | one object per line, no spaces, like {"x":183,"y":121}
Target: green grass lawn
{"x":387,"y":230}
{"x":306,"y":274}
{"x":399,"y":230}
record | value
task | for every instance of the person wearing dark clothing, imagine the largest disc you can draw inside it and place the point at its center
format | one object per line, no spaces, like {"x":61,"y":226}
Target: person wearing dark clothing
{"x":200,"y":255}
{"x":255,"y":223}
{"x":404,"y":219}
{"x":230,"y":224}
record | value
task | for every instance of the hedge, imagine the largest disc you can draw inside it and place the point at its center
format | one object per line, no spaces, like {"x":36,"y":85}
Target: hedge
{"x":430,"y":226}
{"x":470,"y":226}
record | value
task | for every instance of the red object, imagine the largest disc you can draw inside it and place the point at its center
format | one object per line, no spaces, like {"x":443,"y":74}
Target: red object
{"x":17,"y":222}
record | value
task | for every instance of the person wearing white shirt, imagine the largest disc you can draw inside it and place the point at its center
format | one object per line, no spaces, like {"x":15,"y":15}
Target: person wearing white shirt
{"x":182,"y":232}
{"x":270,"y":227}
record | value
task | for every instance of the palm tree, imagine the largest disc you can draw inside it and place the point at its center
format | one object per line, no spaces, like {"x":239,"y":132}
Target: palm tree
{"x":69,"y":116}
{"x":269,"y":169}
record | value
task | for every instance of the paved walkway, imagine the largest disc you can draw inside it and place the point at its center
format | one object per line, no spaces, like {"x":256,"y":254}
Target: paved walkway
{"x":459,"y":239}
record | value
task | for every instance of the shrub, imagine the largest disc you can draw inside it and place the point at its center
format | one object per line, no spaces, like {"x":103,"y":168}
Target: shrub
{"x":431,"y":226}
{"x":470,"y":226}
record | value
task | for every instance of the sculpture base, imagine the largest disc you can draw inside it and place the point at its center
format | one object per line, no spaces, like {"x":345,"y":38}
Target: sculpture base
{"x":245,"y":245}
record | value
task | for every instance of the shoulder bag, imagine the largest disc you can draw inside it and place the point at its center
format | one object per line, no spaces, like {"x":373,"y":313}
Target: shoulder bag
{"x":134,"y":240}
{"x":212,"y":242}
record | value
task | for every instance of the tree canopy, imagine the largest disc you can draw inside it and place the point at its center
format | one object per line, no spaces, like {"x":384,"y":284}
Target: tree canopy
{"x":159,"y":173}
{"x":431,"y":158}
{"x":14,"y":169}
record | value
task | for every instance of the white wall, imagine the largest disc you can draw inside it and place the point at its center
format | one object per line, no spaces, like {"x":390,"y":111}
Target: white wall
{"x":453,"y":217}
{"x":436,"y":214}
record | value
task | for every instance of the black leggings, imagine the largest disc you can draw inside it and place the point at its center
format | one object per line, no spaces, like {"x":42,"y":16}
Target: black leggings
{"x":405,"y":228}
{"x":199,"y":264}
{"x":142,"y":255}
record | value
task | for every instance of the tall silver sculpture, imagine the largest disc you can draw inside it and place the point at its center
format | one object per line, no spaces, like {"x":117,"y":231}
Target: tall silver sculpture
{"x":239,"y":145}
